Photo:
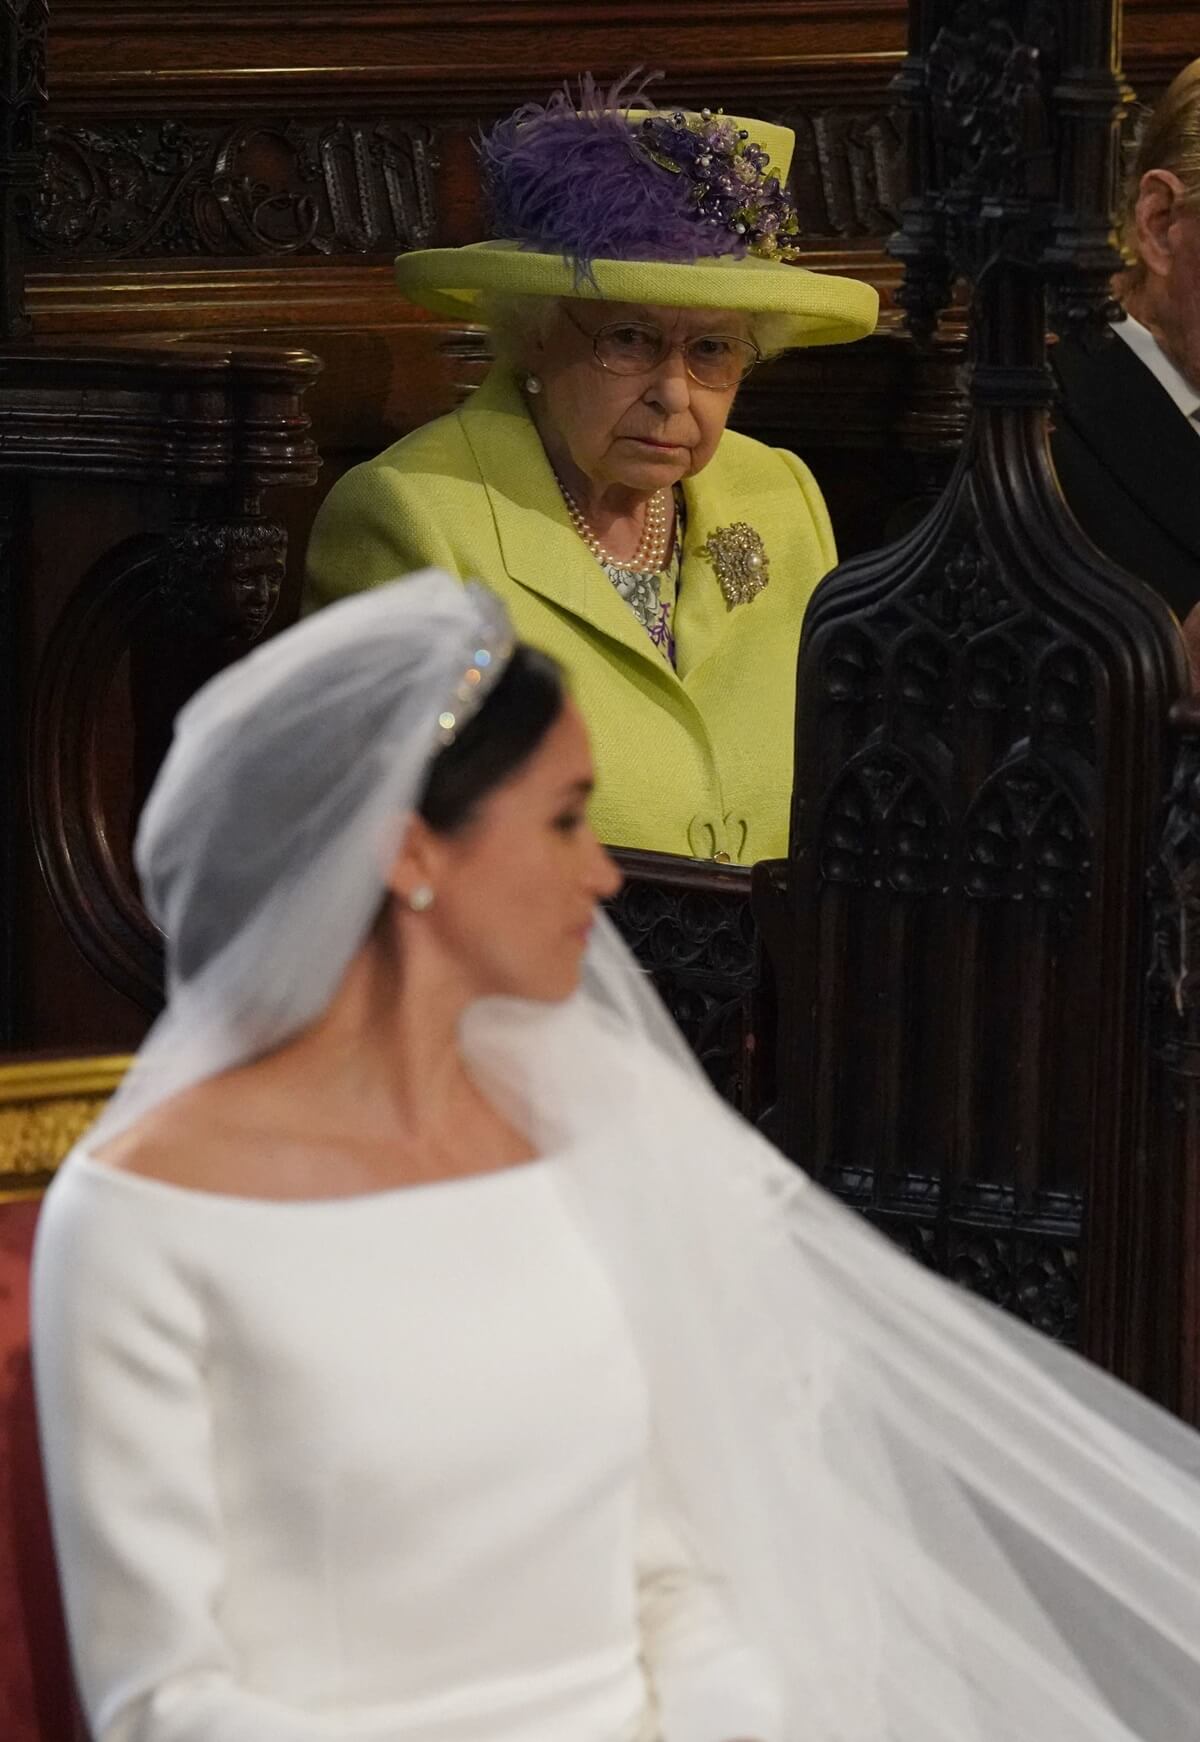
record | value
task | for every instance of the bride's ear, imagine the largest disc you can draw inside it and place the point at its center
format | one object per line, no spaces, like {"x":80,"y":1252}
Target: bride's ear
{"x":412,"y":873}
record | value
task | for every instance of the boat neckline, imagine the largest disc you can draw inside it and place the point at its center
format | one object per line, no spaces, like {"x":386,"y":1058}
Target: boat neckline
{"x":150,"y":1184}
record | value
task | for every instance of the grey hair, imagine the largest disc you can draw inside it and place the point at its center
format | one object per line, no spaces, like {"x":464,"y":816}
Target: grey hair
{"x":513,"y":321}
{"x":1167,"y":137}
{"x":772,"y":333}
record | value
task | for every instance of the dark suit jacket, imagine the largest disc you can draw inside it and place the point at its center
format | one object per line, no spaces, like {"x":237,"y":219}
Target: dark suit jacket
{"x":1129,"y":466}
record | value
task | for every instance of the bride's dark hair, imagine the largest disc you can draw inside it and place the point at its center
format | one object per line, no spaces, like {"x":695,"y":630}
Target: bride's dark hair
{"x":526,"y":701}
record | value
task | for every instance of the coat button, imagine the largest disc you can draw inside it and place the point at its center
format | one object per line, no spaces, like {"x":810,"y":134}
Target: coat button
{"x":722,"y":859}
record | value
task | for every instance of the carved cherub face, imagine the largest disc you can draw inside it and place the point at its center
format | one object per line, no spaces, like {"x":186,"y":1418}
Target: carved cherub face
{"x":253,"y":576}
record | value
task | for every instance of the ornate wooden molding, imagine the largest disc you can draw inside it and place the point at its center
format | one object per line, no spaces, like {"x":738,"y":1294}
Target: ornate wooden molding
{"x":363,"y":185}
{"x":189,"y":17}
{"x":979,"y":747}
{"x":153,"y":189}
{"x":690,"y":926}
{"x":45,"y":1107}
{"x":193,"y":600}
{"x":1022,"y":1256}
{"x":1173,"y":995}
{"x":11,"y":770}
{"x":159,"y":612}
{"x":23,"y":28}
{"x":1174,"y":976}
{"x":491,"y":45}
{"x":191,"y":416}
{"x":1006,"y":134}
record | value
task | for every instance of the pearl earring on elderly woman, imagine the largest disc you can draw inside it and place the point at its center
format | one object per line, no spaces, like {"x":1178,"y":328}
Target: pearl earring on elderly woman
{"x":533,"y":384}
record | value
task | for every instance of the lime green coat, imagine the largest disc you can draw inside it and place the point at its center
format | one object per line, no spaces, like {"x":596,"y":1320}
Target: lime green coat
{"x":696,"y":761}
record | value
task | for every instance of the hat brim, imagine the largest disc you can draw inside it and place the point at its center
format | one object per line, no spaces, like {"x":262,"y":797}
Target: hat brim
{"x":816,"y":308}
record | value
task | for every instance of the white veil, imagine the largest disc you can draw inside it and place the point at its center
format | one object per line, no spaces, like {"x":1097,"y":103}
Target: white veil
{"x":939,"y":1526}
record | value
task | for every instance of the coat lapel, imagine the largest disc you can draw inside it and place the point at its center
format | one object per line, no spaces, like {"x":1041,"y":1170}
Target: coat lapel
{"x":539,"y":547}
{"x":1136,"y":430}
{"x":703,"y":619}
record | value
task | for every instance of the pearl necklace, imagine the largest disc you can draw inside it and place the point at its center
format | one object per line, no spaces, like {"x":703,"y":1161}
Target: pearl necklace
{"x":653,"y":547}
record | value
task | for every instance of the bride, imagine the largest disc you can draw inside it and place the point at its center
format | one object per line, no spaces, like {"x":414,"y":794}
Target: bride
{"x":425,"y":1354}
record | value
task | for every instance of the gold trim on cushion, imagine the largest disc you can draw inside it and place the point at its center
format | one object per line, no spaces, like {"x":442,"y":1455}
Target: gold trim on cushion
{"x":45,"y":1107}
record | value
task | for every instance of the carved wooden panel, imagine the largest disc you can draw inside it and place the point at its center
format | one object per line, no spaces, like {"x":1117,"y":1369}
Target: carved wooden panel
{"x":185,"y":132}
{"x":167,"y":567}
{"x":168,"y":610}
{"x":11,"y":771}
{"x":22,"y":95}
{"x":163,"y":189}
{"x":1173,"y":986}
{"x":691,"y":927}
{"x":958,"y":932}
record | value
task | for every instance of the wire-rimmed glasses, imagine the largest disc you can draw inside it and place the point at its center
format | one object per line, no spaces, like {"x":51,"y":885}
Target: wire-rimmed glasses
{"x":718,"y":360}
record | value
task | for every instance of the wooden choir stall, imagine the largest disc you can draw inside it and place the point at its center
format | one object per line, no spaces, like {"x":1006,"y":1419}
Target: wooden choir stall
{"x":968,"y":1000}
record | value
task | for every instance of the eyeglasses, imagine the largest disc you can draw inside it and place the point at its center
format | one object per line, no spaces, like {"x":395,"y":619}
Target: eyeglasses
{"x":628,"y":348}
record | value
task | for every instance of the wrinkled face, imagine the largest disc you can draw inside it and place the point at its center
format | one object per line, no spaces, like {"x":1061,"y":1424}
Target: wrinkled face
{"x":517,"y":888}
{"x":642,"y":432}
{"x":1182,"y":292}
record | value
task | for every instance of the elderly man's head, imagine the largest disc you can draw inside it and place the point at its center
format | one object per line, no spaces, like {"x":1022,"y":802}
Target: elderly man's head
{"x":1162,"y":225}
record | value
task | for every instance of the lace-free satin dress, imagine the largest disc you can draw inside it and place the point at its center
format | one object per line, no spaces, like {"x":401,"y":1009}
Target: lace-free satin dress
{"x":372,"y":1467}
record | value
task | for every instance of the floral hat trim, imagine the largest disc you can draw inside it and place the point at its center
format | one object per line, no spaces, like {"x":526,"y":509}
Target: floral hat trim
{"x":729,"y":179}
{"x":598,"y":175}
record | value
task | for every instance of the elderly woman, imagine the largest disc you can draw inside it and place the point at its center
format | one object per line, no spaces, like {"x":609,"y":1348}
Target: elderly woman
{"x":644,"y":269}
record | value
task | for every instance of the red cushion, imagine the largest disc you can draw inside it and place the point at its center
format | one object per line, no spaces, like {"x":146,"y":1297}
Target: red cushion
{"x":36,"y":1696}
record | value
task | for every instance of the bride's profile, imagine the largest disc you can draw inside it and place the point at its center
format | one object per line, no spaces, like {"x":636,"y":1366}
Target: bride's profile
{"x":424,"y":1353}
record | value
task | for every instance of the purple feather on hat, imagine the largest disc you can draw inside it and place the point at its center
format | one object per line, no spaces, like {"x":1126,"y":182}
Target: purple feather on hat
{"x":572,"y":177}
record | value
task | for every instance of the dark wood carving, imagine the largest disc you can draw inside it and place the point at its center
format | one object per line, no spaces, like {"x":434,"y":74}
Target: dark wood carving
{"x":176,"y":607}
{"x":188,"y":442}
{"x":1173,"y":1241}
{"x":10,"y":759}
{"x":23,"y":26}
{"x":156,"y":187}
{"x":151,"y":189}
{"x":691,"y":927}
{"x":848,"y":175}
{"x":959,"y":931}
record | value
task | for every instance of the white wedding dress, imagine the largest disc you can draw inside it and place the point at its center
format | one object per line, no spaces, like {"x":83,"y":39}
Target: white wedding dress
{"x":370,"y":1467}
{"x":385,"y":1468}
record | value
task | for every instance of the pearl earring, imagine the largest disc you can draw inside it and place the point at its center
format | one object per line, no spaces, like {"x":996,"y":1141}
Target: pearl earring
{"x":533,"y":384}
{"x":421,"y":899}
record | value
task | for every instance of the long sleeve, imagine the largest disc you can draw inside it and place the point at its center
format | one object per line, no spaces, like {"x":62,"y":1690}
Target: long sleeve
{"x":374,"y":525}
{"x":274,"y":1528}
{"x":119,"y":1351}
{"x":815,"y":503}
{"x":709,"y":1683}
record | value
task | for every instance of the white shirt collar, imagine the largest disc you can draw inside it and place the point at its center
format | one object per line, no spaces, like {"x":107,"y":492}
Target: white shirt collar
{"x":1143,"y":344}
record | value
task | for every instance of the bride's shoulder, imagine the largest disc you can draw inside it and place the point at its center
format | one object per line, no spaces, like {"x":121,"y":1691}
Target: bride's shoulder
{"x":189,"y":1141}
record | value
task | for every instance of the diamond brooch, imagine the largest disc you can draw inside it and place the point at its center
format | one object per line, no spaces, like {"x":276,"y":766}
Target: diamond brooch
{"x":738,"y":555}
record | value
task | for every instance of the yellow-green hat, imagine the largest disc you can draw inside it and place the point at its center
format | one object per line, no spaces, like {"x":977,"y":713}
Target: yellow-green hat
{"x":596,"y":199}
